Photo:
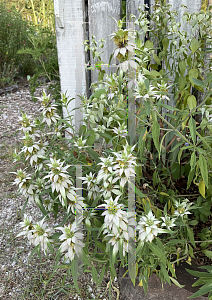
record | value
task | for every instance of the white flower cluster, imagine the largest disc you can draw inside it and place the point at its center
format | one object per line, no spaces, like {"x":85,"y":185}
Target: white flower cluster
{"x":27,"y":125}
{"x":62,"y":183}
{"x":116,"y":225}
{"x":147,"y":91}
{"x":39,"y":234}
{"x":26,"y":188}
{"x":72,"y":240}
{"x":35,"y":151}
{"x":120,"y":167}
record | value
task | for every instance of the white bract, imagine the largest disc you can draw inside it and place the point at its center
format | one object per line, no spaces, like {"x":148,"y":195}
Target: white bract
{"x":110,"y":188}
{"x":182,"y":208}
{"x":121,"y":130}
{"x":168,"y":222}
{"x":58,"y":176}
{"x":91,"y":181}
{"x":26,"y":124}
{"x":106,"y":168}
{"x":72,"y":240}
{"x":50,"y":115}
{"x":125,"y":164}
{"x":115,"y":217}
{"x":80,"y":143}
{"x":73,"y":200}
{"x":23,"y":180}
{"x":40,"y":235}
{"x":27,"y":227}
{"x":148,"y":227}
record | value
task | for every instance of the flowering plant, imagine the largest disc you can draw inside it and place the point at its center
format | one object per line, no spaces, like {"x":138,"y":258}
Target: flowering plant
{"x":97,"y":202}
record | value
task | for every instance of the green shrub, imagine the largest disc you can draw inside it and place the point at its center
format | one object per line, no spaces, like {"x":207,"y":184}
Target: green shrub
{"x":13,"y":36}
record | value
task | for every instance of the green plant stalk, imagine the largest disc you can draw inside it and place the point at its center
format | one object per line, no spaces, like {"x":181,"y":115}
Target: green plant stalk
{"x":33,"y":8}
{"x":180,"y":134}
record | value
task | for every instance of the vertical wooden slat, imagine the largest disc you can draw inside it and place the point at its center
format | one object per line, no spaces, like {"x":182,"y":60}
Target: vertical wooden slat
{"x":101,"y":25}
{"x":71,"y":55}
{"x":132,"y":7}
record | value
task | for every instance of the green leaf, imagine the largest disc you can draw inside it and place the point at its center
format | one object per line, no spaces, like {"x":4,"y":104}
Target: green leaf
{"x":203,"y":169}
{"x":192,"y":127}
{"x":202,"y":188}
{"x":193,"y":73}
{"x":82,"y":130}
{"x":194,"y":45}
{"x":182,"y":67}
{"x":55,"y":236}
{"x":208,"y":254}
{"x":193,"y":222}
{"x":199,"y":83}
{"x":202,"y":291}
{"x":190,"y":177}
{"x":92,"y":137}
{"x":158,"y":252}
{"x":74,"y":274}
{"x":192,"y":102}
{"x":156,"y":134}
{"x":101,"y":275}
{"x":41,"y":207}
{"x":176,"y":282}
{"x":85,"y":259}
{"x":165,"y":43}
{"x":182,"y":82}
{"x":94,"y":154}
{"x":156,"y":58}
{"x":190,"y":235}
{"x":94,"y":274}
{"x":193,"y":160}
{"x":147,"y":106}
{"x":148,"y":44}
{"x":98,"y":93}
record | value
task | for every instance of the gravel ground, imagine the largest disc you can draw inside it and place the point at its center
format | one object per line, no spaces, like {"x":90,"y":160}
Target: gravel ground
{"x":21,"y":277}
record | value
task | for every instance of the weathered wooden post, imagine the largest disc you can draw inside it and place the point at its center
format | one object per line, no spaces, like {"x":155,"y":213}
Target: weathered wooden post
{"x":101,"y":25}
{"x":70,"y":31}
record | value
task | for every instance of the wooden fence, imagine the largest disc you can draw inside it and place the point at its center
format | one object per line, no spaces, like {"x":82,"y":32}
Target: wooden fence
{"x":78,"y":20}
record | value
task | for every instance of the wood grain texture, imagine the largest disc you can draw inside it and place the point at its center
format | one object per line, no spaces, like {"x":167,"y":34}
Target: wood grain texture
{"x":101,"y":25}
{"x":71,"y":55}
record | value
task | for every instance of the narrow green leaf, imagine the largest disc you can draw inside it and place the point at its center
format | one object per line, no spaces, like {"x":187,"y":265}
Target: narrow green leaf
{"x":193,"y":160}
{"x":101,"y":275}
{"x":94,"y":274}
{"x":176,"y":282}
{"x":202,"y":291}
{"x":190,"y":177}
{"x":158,"y":252}
{"x":203,"y":169}
{"x":182,"y":67}
{"x":192,"y":127}
{"x":207,"y":253}
{"x":165,"y":43}
{"x":156,"y":134}
{"x":199,"y":274}
{"x":190,"y":235}
{"x":199,"y":83}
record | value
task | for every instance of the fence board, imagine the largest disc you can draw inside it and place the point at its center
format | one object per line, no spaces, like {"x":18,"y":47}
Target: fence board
{"x":101,"y":25}
{"x":71,"y":56}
